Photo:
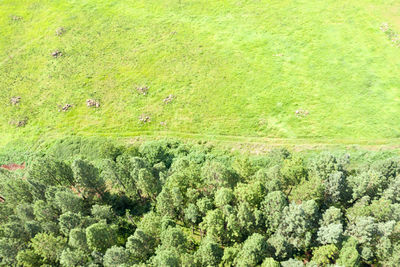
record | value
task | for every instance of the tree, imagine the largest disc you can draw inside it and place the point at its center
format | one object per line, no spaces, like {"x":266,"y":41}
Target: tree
{"x":151,"y":224}
{"x":244,"y":167}
{"x":29,"y":258}
{"x":9,"y":248}
{"x":367,"y":183}
{"x":166,"y":258}
{"x":218,"y":175}
{"x":50,"y":171}
{"x":331,"y":230}
{"x":48,"y":246}
{"x":365,"y":230}
{"x":100,"y":237}
{"x":148,"y":185}
{"x":336,"y":188}
{"x":73,"y":258}
{"x":325,"y":255}
{"x":214,"y":224}
{"x":246,"y":218}
{"x":165,"y":204}
{"x":272,"y":207}
{"x":69,"y":221}
{"x":330,"y":234}
{"x":116,"y":256}
{"x":68,"y":201}
{"x":252,"y":193}
{"x":270,"y":262}
{"x":254,"y":250}
{"x":205,"y":204}
{"x":88,"y":178}
{"x":173,"y":238}
{"x":119,"y":173}
{"x":16,"y":230}
{"x":281,"y":246}
{"x":389,"y":168}
{"x":348,"y":255}
{"x":44,"y":212}
{"x":77,"y":239}
{"x":332,"y":215}
{"x":230,"y":254}
{"x":392,"y":193}
{"x":25,"y":212}
{"x":326,"y":163}
{"x":192,"y":214}
{"x":271,"y":178}
{"x":224,"y":196}
{"x":32,"y":228}
{"x":102,"y":212}
{"x":155,"y":152}
{"x":297,"y":225}
{"x":141,"y":245}
{"x":292,"y":263}
{"x":293,"y":171}
{"x":210,"y":253}
{"x":14,"y":189}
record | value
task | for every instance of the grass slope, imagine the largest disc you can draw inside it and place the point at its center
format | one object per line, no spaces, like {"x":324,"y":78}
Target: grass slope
{"x":237,"y":68}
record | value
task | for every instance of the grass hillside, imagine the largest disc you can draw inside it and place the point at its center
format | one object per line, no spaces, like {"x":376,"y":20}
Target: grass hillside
{"x":234,"y":68}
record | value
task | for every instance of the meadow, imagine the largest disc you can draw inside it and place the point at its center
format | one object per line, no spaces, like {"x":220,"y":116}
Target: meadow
{"x":303,"y":71}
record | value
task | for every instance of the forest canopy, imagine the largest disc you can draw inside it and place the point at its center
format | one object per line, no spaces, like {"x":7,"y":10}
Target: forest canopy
{"x":168,"y":203}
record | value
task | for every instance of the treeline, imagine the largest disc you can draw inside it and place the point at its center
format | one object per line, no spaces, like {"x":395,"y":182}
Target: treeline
{"x":168,"y":203}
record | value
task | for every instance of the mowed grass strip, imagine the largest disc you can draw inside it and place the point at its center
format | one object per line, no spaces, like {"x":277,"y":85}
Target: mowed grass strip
{"x":235,"y":68}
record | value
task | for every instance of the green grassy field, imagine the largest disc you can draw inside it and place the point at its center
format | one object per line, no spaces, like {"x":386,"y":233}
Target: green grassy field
{"x":237,"y":69}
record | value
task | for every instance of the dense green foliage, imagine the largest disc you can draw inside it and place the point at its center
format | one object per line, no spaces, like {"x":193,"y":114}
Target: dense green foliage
{"x":236,"y":68}
{"x":167,"y":203}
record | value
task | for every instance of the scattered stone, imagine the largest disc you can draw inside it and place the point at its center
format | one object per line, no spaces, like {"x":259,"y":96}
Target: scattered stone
{"x":56,"y":54}
{"x":262,"y":121}
{"x":142,"y":90}
{"x":163,"y":123}
{"x":144,"y":118}
{"x":392,"y":35}
{"x":15,"y":100}
{"x":168,"y":99}
{"x":301,"y":113}
{"x":16,"y":18}
{"x":384,"y":27}
{"x":64,"y":108}
{"x":278,"y":55}
{"x":19,"y":123}
{"x":60,"y":31}
{"x":92,"y":103}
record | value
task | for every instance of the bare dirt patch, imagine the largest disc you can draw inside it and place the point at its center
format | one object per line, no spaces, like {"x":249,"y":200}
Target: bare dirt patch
{"x":13,"y":166}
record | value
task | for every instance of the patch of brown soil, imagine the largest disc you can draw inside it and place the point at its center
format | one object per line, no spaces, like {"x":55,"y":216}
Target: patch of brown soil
{"x":13,"y":166}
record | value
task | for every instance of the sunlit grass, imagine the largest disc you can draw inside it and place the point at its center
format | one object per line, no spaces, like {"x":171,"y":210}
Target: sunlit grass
{"x":236,"y":68}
